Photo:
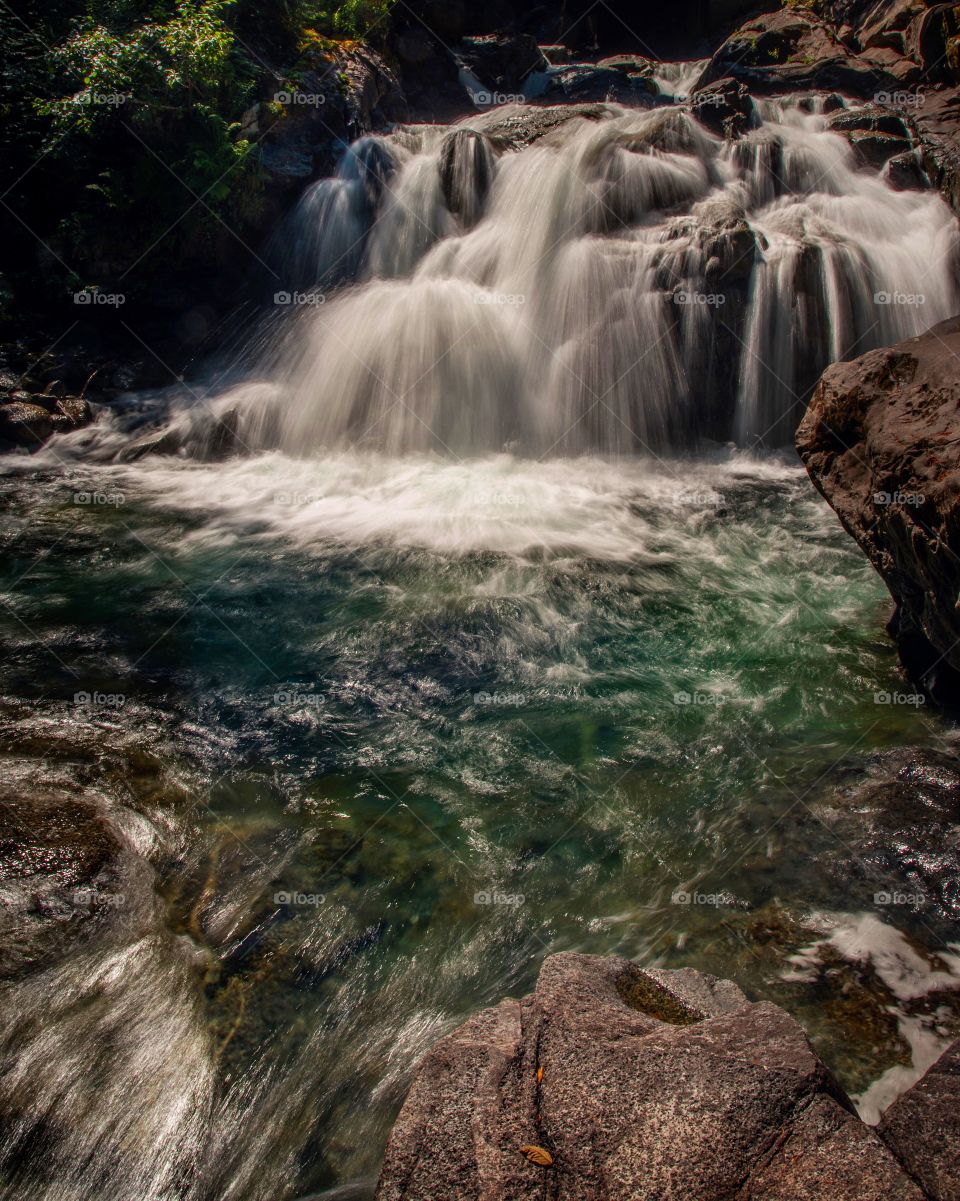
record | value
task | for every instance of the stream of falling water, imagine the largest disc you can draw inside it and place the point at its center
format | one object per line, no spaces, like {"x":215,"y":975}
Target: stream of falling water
{"x":478,"y":614}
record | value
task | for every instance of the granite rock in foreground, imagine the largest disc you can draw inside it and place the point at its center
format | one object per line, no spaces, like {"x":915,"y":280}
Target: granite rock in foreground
{"x":640,"y":1085}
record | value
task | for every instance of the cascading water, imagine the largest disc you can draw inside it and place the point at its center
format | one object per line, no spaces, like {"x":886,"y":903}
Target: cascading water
{"x":435,"y":628}
{"x":625,"y":283}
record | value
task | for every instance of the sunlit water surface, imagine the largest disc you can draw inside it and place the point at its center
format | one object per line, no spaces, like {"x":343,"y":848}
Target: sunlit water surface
{"x":393,"y":730}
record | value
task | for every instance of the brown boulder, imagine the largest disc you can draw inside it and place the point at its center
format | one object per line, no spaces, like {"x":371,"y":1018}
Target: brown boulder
{"x":640,"y":1085}
{"x":880,"y":441}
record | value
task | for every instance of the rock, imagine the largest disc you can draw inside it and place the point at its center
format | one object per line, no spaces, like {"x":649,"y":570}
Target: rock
{"x":640,"y":1084}
{"x":922,"y":1128}
{"x":630,"y":64}
{"x":27,"y":419}
{"x":583,"y":82}
{"x":876,"y":149}
{"x":523,"y":127}
{"x":879,"y":440}
{"x":466,"y":172}
{"x":936,"y":120}
{"x":63,"y":874}
{"x":905,"y":172}
{"x":725,"y":107}
{"x":794,"y":50}
{"x":501,"y":62}
{"x":896,"y":833}
{"x":336,"y":99}
{"x":25,"y":426}
{"x":932,"y":41}
{"x":872,"y":119}
{"x":876,"y":134}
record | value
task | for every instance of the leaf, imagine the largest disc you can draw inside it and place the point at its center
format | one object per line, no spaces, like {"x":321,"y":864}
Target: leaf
{"x":539,"y":1075}
{"x":538,"y":1155}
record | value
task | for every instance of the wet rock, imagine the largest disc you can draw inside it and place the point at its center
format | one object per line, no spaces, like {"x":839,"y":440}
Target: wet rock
{"x":871,"y":119}
{"x":630,"y":64}
{"x":922,"y":1128}
{"x":584,"y":82}
{"x":897,"y":830}
{"x":876,"y":134}
{"x":466,"y":172}
{"x":61,"y":875}
{"x":502,"y":63}
{"x":905,"y":172}
{"x":23,"y":425}
{"x":28,"y":420}
{"x":879,"y":440}
{"x":876,"y":149}
{"x":521,"y":127}
{"x":725,"y":107}
{"x":639,"y":1085}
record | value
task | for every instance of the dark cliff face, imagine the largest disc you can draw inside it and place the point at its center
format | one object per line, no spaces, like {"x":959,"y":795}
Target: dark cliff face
{"x":881,"y":441}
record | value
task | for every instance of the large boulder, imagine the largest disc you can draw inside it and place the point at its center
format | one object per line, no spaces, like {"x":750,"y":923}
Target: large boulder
{"x":922,"y":1128}
{"x":879,"y":440}
{"x":792,"y":49}
{"x":638,"y":1085}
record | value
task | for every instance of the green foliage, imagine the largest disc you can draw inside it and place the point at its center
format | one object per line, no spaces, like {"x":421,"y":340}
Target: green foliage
{"x":123,"y":122}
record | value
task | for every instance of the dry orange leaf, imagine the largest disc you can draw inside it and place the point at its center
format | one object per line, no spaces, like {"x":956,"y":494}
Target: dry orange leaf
{"x":538,"y":1155}
{"x":539,"y":1075}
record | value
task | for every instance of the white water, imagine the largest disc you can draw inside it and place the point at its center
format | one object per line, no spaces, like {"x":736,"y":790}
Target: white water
{"x":622,"y":285}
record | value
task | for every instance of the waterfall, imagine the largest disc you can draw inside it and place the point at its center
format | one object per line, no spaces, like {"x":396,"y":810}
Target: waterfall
{"x":554,"y":281}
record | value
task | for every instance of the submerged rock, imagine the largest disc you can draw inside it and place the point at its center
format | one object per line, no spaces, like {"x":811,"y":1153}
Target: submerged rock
{"x":879,"y":440}
{"x":638,"y":1084}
